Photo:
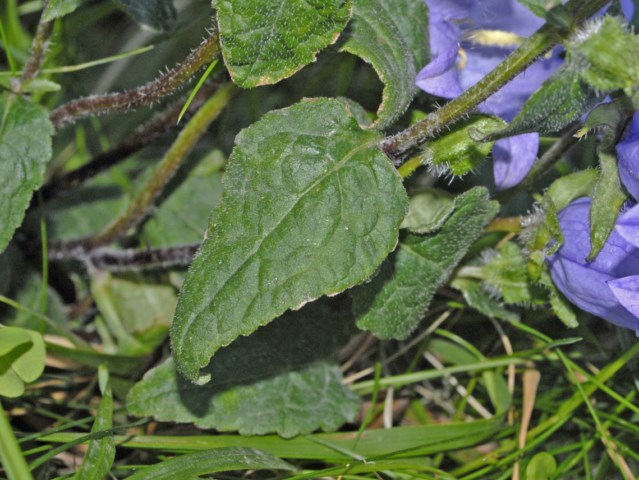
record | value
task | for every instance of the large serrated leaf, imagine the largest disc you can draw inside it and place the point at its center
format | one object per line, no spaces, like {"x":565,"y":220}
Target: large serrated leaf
{"x":310,"y":207}
{"x":25,"y":149}
{"x":265,"y":41}
{"x":280,"y":379}
{"x":159,"y":15}
{"x":379,"y":35}
{"x":392,"y":304}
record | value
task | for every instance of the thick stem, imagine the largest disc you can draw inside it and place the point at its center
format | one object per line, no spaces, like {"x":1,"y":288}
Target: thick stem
{"x":163,"y":173}
{"x":143,"y":95}
{"x":538,"y":44}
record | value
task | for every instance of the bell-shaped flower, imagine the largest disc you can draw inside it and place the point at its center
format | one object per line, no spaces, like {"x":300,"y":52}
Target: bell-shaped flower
{"x":608,"y":286}
{"x":468,"y":39}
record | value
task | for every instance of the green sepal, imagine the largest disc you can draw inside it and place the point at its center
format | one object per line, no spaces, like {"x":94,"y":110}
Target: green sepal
{"x":428,"y":210}
{"x":608,"y":197}
{"x":458,"y":152}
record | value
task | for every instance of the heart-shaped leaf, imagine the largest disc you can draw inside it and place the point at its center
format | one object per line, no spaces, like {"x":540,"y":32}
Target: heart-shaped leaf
{"x":310,"y":207}
{"x":22,"y":356}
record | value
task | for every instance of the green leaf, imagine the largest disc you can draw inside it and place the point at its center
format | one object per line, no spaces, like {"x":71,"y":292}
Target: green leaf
{"x":22,"y":357}
{"x":507,"y":273}
{"x":137,"y":310}
{"x":608,"y":197}
{"x":158,"y":15}
{"x":211,"y":461}
{"x":560,"y":101}
{"x":541,"y":467}
{"x":608,"y":53}
{"x":540,"y":7}
{"x":609,"y":118}
{"x":428,"y":210}
{"x":183,"y":216}
{"x":101,"y":452}
{"x":457,"y":153}
{"x":560,"y":305}
{"x":25,"y":150}
{"x":311,"y":207}
{"x":59,"y":8}
{"x":390,"y":35}
{"x":266,"y":41}
{"x":570,"y":187}
{"x":291,"y":354}
{"x":392,"y":304}
{"x":482,"y":301}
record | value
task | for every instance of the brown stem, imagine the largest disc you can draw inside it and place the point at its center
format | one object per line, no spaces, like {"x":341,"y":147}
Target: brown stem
{"x":145,"y":94}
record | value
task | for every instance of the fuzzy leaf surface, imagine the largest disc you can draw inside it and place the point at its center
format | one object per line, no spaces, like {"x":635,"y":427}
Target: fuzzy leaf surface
{"x":265,"y":41}
{"x":391,"y":36}
{"x":261,"y":383}
{"x":310,"y":207}
{"x":25,"y":149}
{"x":158,"y":15}
{"x":59,"y":8}
{"x":392,"y":304}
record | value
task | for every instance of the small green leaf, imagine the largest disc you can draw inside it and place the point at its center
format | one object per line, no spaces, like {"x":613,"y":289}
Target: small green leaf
{"x":59,"y":8}
{"x":392,"y":304}
{"x":99,"y":458}
{"x":158,"y":15}
{"x":266,"y":41}
{"x":560,"y":101}
{"x":507,"y":272}
{"x":570,"y":187}
{"x":137,"y":311}
{"x":540,"y":7}
{"x":311,"y":207}
{"x":211,"y":461}
{"x":428,"y":210}
{"x":541,"y":467}
{"x":25,"y":150}
{"x":560,"y":305}
{"x":608,"y":197}
{"x":481,"y":300}
{"x":608,"y":53}
{"x":292,"y":354}
{"x":608,"y":117}
{"x":22,"y":357}
{"x":456,"y":153}
{"x":390,"y":35}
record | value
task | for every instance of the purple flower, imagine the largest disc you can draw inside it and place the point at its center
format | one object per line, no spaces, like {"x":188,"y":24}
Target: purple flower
{"x":609,"y":285}
{"x":468,"y":39}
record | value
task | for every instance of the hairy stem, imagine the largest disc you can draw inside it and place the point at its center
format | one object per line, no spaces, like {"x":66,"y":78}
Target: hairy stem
{"x":538,"y":44}
{"x":163,"y":173}
{"x":38,"y":48}
{"x":144,"y":135}
{"x":143,"y":95}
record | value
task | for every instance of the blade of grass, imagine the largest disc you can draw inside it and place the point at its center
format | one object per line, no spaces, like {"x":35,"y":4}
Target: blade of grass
{"x":10,"y":454}
{"x":196,"y":89}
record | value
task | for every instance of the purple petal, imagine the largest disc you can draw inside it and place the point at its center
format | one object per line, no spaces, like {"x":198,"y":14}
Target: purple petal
{"x":628,"y":225}
{"x":628,"y":156}
{"x":507,"y":15}
{"x":449,"y":9}
{"x":628,"y":8}
{"x":626,"y":291}
{"x":513,"y":157}
{"x":586,"y":284}
{"x":440,"y":77}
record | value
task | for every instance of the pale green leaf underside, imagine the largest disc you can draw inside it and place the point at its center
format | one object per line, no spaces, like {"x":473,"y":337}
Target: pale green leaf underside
{"x":264,"y":41}
{"x":393,"y":303}
{"x":280,"y":379}
{"x":193,"y":465}
{"x":380,"y":37}
{"x":310,"y":207}
{"x":25,"y":149}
